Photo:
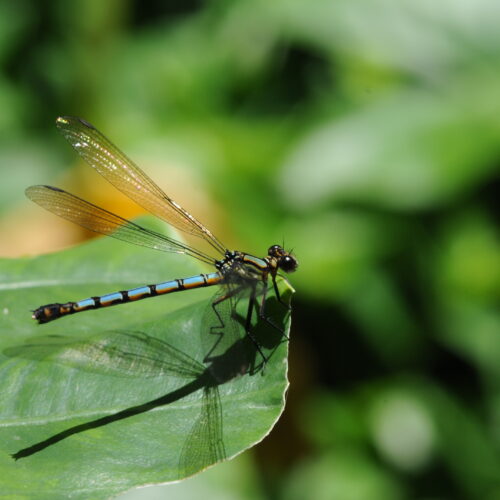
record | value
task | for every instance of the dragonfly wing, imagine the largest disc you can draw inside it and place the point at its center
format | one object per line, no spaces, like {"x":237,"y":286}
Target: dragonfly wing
{"x":204,"y":445}
{"x":123,"y":353}
{"x":99,"y":220}
{"x":126,"y":176}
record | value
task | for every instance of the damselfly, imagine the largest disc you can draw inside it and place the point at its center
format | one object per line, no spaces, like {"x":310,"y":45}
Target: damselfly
{"x":235,"y":270}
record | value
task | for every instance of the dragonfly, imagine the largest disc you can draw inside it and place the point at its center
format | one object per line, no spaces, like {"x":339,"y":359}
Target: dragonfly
{"x":237,"y":271}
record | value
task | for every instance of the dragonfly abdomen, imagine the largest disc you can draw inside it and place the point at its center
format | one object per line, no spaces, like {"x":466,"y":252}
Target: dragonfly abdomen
{"x":50,"y":312}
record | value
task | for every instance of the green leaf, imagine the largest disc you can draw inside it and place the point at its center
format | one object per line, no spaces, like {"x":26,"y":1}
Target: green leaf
{"x":147,"y":392}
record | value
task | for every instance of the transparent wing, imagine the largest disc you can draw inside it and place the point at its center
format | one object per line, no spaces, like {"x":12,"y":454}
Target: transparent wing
{"x":122,"y":353}
{"x":96,"y":219}
{"x":126,"y":176}
{"x":204,"y":445}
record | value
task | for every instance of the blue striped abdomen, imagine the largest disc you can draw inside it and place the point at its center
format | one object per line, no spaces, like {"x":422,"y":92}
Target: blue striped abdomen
{"x":50,"y":312}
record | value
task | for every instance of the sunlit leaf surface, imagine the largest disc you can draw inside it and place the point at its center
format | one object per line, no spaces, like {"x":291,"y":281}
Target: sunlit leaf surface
{"x":154,"y":391}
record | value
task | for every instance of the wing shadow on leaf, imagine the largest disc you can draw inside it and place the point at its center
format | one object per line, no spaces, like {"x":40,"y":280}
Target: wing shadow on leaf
{"x":137,"y":354}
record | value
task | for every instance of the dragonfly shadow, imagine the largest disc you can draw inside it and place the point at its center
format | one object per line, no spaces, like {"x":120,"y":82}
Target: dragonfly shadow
{"x":138,"y":354}
{"x":229,"y":319}
{"x":267,"y":334}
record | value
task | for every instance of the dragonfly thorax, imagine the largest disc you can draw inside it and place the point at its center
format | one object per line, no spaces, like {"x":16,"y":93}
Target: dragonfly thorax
{"x":239,"y":267}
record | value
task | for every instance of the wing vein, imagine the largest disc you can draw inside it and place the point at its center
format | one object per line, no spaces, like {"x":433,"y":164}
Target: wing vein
{"x":127,"y":177}
{"x":99,"y":220}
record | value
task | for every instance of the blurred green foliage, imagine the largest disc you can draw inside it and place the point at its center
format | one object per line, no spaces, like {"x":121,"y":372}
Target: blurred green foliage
{"x":367,"y":136}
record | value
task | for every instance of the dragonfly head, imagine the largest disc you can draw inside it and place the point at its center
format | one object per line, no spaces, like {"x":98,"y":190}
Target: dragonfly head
{"x":285,"y":260}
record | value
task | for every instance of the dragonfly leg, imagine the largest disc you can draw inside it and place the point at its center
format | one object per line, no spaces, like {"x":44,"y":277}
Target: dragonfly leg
{"x":248,"y":324}
{"x":278,"y":296}
{"x":248,"y":320}
{"x":232,"y":293}
{"x":262,"y":310}
{"x":221,"y":325}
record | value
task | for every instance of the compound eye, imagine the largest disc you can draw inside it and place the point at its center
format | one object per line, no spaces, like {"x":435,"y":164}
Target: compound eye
{"x":275,"y":251}
{"x":288,"y":263}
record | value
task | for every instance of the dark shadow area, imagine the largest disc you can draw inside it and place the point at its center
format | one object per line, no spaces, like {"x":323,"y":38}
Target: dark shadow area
{"x":162,"y":13}
{"x":295,"y":75}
